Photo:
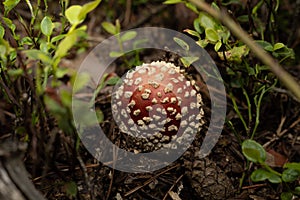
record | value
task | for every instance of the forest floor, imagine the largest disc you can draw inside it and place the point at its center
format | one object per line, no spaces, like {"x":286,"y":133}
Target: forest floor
{"x":72,"y":174}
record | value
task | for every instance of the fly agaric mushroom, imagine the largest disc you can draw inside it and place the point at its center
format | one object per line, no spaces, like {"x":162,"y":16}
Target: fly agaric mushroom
{"x":156,"y":103}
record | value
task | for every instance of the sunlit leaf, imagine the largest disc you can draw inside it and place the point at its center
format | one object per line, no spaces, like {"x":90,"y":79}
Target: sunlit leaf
{"x":278,"y":46}
{"x":65,"y":45}
{"x":172,"y":1}
{"x":191,"y":32}
{"x":100,"y":115}
{"x":187,"y":61}
{"x":46,"y":26}
{"x":109,"y":27}
{"x":9,"y":5}
{"x":192,"y":7}
{"x":129,"y":35}
{"x":202,"y":43}
{"x":212,"y":35}
{"x":218,"y":46}
{"x":115,"y":54}
{"x":57,"y":38}
{"x":88,"y":7}
{"x":72,"y":14}
{"x":2,"y":31}
{"x":10,"y":24}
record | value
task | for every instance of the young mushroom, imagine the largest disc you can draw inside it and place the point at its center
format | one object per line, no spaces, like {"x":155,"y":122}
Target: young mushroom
{"x":156,"y":103}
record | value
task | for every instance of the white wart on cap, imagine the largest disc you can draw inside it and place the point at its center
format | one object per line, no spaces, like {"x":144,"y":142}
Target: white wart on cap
{"x":157,"y":102}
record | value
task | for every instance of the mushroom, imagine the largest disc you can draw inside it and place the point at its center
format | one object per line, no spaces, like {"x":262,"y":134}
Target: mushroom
{"x":156,"y":103}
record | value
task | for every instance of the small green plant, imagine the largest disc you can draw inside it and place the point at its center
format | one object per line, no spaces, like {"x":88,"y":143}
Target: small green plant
{"x":255,"y":153}
{"x":115,"y":29}
{"x":239,"y":72}
{"x":186,"y":60}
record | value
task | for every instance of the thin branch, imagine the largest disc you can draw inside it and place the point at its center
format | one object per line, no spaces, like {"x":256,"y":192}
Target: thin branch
{"x":287,"y":79}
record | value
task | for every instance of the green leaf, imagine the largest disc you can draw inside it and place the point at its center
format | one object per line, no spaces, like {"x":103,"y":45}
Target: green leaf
{"x":15,"y":72}
{"x":197,"y":26}
{"x":293,"y":165}
{"x":206,"y":21}
{"x":235,"y":54}
{"x":215,"y":6}
{"x":181,"y":43}
{"x":118,"y":26}
{"x":100,"y":115}
{"x":297,"y":190}
{"x":35,"y":54}
{"x":58,"y":37}
{"x":187,"y":61}
{"x":260,"y":175}
{"x":274,"y":178}
{"x":290,"y":175}
{"x":44,"y":46}
{"x":218,"y":45}
{"x":265,"y":45}
{"x":286,"y":196}
{"x":2,"y":31}
{"x":172,"y":1}
{"x":192,"y":7}
{"x":129,"y":35}
{"x":112,"y":81}
{"x":238,"y":2}
{"x":191,"y":32}
{"x":109,"y":27}
{"x":66,"y":97}
{"x":9,"y":5}
{"x":88,"y":7}
{"x":54,"y":106}
{"x":278,"y":46}
{"x":72,"y":14}
{"x":202,"y":43}
{"x":243,"y":18}
{"x":46,"y":26}
{"x":26,"y":40}
{"x":115,"y":54}
{"x":65,"y":45}
{"x":10,"y":24}
{"x":81,"y":81}
{"x":61,"y":72}
{"x":71,"y":189}
{"x":253,"y":151}
{"x":212,"y":35}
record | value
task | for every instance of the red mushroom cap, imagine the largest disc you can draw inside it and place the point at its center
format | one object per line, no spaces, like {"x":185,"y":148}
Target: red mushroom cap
{"x":156,"y":99}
